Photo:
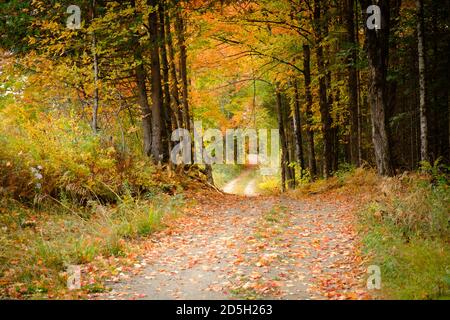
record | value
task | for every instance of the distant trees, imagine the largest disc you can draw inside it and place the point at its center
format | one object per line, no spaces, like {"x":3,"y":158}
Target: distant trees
{"x":373,"y":104}
{"x":355,"y":79}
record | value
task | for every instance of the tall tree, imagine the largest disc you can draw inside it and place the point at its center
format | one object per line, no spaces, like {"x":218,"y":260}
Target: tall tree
{"x":298,"y":128}
{"x":140,"y":77}
{"x":284,"y":144}
{"x":327,"y":154}
{"x":95,"y":70}
{"x":180,"y":31}
{"x":422,"y":83}
{"x":175,"y":96}
{"x":156,"y":89}
{"x":143,"y":103}
{"x":167,"y":114}
{"x":288,"y":120}
{"x":352,"y":84}
{"x":308,"y":110}
{"x":377,"y":46}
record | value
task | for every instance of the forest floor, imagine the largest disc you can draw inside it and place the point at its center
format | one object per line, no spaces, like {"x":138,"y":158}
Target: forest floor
{"x":260,"y":247}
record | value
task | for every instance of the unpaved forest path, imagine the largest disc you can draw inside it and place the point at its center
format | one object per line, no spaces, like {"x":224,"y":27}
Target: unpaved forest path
{"x":245,"y":184}
{"x":231,"y":247}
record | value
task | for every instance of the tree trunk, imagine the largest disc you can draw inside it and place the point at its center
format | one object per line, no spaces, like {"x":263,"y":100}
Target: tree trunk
{"x":422,"y":83}
{"x":142,"y":95}
{"x":289,"y":137}
{"x":284,"y":147}
{"x":308,"y":113}
{"x":156,"y":89}
{"x":95,"y":67}
{"x":323,"y":101}
{"x":334,"y":130}
{"x":352,"y":82}
{"x":377,"y":43}
{"x":298,"y":129}
{"x":145,"y":108}
{"x":179,"y":26}
{"x":96,"y":95}
{"x":168,"y":115}
{"x":173,"y":74}
{"x":358,"y":86}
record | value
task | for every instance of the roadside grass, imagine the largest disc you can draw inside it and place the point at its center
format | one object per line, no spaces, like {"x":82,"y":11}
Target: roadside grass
{"x":417,"y":269}
{"x":406,"y":232}
{"x":404,"y":226}
{"x":38,"y":244}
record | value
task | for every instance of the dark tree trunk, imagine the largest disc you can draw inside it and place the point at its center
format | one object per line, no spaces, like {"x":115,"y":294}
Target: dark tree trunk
{"x":145,"y":108}
{"x":179,"y":26}
{"x":289,"y":132}
{"x":175,"y":96}
{"x":284,"y":146}
{"x":334,"y":130}
{"x":168,"y":115}
{"x":156,"y":89}
{"x":308,"y":100}
{"x":140,"y":76}
{"x":352,"y":82}
{"x":360,"y":104}
{"x":377,"y":44}
{"x":446,"y":141}
{"x":96,"y":95}
{"x":298,"y":129}
{"x":323,"y":100}
{"x":94,"y":123}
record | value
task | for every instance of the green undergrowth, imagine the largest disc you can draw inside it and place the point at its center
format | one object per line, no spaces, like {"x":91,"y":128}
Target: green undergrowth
{"x":406,"y":232}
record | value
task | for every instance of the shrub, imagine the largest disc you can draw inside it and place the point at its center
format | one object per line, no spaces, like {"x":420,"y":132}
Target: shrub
{"x":44,"y":156}
{"x":270,"y":184}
